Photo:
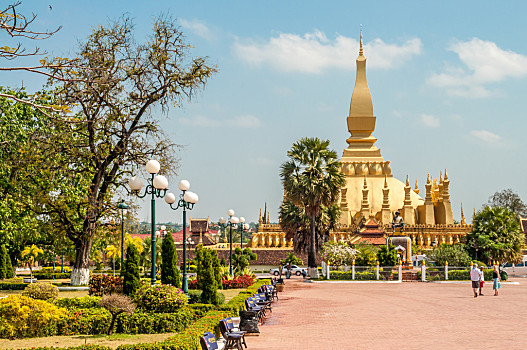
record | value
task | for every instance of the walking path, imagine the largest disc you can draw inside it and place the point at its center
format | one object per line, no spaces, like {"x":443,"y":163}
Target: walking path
{"x":411,"y":315}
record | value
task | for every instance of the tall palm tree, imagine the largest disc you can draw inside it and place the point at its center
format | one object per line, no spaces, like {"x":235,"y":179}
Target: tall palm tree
{"x":312,"y":180}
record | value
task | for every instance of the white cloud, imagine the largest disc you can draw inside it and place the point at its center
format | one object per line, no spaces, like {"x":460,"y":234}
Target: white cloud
{"x":430,"y":120}
{"x":486,"y":136}
{"x":244,"y":121}
{"x":485,"y":63}
{"x":197,"y":27}
{"x":314,"y":52}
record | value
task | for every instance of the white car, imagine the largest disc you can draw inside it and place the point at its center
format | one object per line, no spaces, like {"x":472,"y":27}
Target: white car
{"x":294,"y":270}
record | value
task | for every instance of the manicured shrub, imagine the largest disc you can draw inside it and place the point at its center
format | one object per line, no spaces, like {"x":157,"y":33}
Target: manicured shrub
{"x":238,"y":282}
{"x":132,"y":280}
{"x":169,"y":270}
{"x":21,"y":316}
{"x":187,"y":340}
{"x":50,"y":276}
{"x":8,"y":266}
{"x":86,"y":321}
{"x":12,"y":286}
{"x":3,"y":258}
{"x":160,"y":298}
{"x":57,"y":269}
{"x":201,"y":309}
{"x":117,"y":304}
{"x":41,"y":291}
{"x":78,"y":302}
{"x":151,"y":323}
{"x":194,"y":297}
{"x":206,"y":275}
{"x":100,"y":285}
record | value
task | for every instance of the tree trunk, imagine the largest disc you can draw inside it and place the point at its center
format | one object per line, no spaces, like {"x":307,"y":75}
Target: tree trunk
{"x":311,"y":259}
{"x":81,"y":272}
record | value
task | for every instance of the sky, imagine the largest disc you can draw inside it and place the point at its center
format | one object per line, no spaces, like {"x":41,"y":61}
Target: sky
{"x":447,"y":79}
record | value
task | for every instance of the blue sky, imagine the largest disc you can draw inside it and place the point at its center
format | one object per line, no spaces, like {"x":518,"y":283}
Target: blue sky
{"x":447,"y":79}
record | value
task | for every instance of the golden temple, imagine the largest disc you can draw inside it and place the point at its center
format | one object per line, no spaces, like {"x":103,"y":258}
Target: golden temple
{"x":372,"y":194}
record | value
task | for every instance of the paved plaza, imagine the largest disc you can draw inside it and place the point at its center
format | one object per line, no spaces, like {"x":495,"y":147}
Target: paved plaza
{"x":412,"y":315}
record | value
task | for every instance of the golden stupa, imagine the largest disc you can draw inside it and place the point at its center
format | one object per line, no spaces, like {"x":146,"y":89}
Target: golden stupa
{"x":372,"y":195}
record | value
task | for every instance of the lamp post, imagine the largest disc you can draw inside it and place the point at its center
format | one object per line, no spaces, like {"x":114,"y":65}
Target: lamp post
{"x":157,"y":188}
{"x":232,"y":221}
{"x":187,"y":199}
{"x":122,"y":208}
{"x":190,"y":243}
{"x":243,"y":227}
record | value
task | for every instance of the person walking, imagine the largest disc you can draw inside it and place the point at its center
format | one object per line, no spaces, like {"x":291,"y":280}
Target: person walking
{"x":481,"y":280}
{"x":496,"y":277}
{"x":474,"y":277}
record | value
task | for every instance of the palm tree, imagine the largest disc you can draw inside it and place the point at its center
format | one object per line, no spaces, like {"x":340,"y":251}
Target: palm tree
{"x":312,"y":180}
{"x":29,"y":255}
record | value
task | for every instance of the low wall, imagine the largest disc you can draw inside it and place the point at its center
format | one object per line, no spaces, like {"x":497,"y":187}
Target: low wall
{"x":265,"y":256}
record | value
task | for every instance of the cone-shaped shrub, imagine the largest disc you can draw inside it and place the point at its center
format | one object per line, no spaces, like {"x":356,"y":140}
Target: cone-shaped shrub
{"x":132,"y":280}
{"x":169,"y":269}
{"x":8,"y":267}
{"x":207,"y":280}
{"x":3,"y":253}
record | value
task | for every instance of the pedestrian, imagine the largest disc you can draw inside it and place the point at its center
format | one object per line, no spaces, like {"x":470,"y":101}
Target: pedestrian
{"x":496,"y":277}
{"x":474,"y":277}
{"x":481,"y":280}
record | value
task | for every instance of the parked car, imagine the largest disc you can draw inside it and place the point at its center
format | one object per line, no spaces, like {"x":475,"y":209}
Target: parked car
{"x":516,"y":269}
{"x":294,"y":269}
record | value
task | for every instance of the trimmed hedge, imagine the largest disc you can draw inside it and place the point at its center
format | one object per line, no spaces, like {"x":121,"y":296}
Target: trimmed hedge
{"x":50,"y":275}
{"x":237,"y":303}
{"x":201,"y":309}
{"x":194,"y":297}
{"x":187,"y":340}
{"x":12,"y":286}
{"x":152,"y":323}
{"x":86,"y":302}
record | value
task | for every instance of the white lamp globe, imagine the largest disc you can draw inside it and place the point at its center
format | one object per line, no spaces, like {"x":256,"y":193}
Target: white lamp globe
{"x":230,"y":212}
{"x":184,"y":185}
{"x":223,"y":220}
{"x":160,"y":182}
{"x":190,"y":197}
{"x":195,"y":198}
{"x":170,"y":198}
{"x":135,"y":183}
{"x":163,"y":228}
{"x":153,"y":166}
{"x":234,"y":220}
{"x":242,"y":219}
{"x":246,"y":226}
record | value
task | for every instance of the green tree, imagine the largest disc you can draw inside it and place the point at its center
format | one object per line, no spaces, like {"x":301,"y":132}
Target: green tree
{"x":241,"y":258}
{"x":387,"y":257}
{"x":291,"y":259}
{"x":312,"y":180}
{"x":455,"y":255}
{"x":29,"y":255}
{"x":206,"y":275}
{"x":130,"y":273}
{"x":367,"y":254}
{"x":510,"y":200}
{"x":3,"y":262}
{"x":113,"y":126}
{"x":496,"y":236}
{"x":169,"y":268}
{"x":8,"y":266}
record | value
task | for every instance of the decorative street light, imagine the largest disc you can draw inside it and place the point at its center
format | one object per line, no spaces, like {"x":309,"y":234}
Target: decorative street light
{"x":243,"y":227}
{"x":190,"y":243}
{"x":233,"y":220}
{"x":187,"y":199}
{"x":122,"y":208}
{"x":157,"y":187}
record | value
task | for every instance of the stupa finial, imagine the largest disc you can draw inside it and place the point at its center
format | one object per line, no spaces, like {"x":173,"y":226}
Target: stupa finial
{"x":361,"y":52}
{"x":407,"y":180}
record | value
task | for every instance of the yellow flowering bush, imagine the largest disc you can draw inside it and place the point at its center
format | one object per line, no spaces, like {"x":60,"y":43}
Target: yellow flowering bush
{"x":21,"y":316}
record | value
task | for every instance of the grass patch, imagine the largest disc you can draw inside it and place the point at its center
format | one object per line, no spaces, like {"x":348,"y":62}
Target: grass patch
{"x":230,"y":293}
{"x":112,"y":341}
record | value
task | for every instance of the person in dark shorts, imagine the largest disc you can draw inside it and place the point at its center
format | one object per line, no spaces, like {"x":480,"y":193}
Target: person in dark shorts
{"x":474,"y":277}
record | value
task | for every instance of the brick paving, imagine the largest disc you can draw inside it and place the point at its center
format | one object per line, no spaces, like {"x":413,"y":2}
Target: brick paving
{"x":410,"y":315}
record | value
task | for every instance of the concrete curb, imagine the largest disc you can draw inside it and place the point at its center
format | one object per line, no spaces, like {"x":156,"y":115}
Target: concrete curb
{"x":65,"y":289}
{"x":347,"y":281}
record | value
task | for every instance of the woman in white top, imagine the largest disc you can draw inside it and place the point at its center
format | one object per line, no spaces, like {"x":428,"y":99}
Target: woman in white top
{"x":481,"y":280}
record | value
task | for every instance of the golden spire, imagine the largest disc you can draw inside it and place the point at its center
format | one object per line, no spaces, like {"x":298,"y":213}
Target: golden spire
{"x":416,"y":189}
{"x":361,"y":104}
{"x":407,"y":180}
{"x":361,"y":52}
{"x":463,"y":221}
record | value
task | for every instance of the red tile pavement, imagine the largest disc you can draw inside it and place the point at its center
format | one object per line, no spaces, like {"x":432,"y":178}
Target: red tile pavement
{"x":412,"y":315}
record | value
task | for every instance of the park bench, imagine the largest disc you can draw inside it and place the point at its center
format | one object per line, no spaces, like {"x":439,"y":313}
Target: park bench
{"x":208,"y":342}
{"x":229,"y":326}
{"x":250,"y":304}
{"x":233,"y":340}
